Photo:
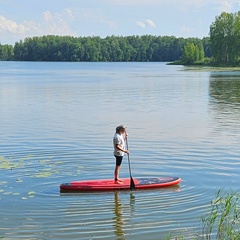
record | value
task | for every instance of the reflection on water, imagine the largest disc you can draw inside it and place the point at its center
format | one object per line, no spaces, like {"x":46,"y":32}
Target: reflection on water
{"x":225,"y":88}
{"x":119,"y":215}
{"x":224,"y":92}
{"x":119,"y":221}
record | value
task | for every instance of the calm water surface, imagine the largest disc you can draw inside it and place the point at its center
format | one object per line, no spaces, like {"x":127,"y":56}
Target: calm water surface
{"x":57,"y":122}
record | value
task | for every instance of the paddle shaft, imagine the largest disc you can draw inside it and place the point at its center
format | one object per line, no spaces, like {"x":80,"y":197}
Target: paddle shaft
{"x":132,"y":184}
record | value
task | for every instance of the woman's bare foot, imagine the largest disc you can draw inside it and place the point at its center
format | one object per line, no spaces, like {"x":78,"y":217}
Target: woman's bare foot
{"x":118,"y":181}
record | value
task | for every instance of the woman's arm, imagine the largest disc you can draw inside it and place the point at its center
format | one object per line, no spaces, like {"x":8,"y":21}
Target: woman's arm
{"x":118,"y":146}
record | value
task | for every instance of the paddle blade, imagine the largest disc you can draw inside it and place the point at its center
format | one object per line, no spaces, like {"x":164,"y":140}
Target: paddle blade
{"x":132,"y":185}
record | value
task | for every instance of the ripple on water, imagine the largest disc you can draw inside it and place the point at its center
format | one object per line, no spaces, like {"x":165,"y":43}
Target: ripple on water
{"x":58,"y":127}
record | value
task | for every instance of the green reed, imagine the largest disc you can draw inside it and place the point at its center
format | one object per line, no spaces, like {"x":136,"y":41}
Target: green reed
{"x":222,"y":220}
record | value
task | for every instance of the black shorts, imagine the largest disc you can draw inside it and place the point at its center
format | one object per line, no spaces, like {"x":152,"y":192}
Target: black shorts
{"x":118,"y":160}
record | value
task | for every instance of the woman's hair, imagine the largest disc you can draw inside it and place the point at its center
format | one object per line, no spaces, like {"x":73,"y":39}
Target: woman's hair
{"x":120,"y":128}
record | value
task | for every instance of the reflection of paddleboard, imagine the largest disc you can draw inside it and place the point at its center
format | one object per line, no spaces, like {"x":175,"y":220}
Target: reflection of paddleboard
{"x":110,"y":184}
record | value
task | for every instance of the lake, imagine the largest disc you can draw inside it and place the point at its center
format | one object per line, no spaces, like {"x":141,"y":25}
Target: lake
{"x":57,"y":122}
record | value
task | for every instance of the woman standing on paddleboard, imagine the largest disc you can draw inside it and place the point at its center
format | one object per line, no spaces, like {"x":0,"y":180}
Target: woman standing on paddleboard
{"x":119,"y":139}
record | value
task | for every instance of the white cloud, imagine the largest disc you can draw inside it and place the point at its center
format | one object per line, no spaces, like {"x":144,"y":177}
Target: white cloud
{"x":50,"y":24}
{"x":226,"y":6}
{"x":33,"y":27}
{"x":141,"y":24}
{"x":69,"y":13}
{"x":151,"y":23}
{"x":55,"y":24}
{"x":47,"y":15}
{"x":146,"y":23}
{"x":11,"y":26}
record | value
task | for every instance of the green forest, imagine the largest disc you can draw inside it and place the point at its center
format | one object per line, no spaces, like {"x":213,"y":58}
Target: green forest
{"x":94,"y":49}
{"x":221,"y":47}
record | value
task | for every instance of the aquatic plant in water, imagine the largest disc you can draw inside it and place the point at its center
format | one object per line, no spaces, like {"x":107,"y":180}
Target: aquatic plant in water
{"x":222,"y":221}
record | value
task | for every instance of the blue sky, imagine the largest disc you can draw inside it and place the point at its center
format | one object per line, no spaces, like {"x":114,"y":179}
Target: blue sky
{"x":180,"y":18}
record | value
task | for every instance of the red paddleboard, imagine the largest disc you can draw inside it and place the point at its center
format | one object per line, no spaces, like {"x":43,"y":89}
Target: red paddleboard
{"x":110,"y":184}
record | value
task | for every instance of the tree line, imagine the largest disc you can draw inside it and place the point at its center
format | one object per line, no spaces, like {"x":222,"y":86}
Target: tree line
{"x":222,"y":47}
{"x":109,"y":49}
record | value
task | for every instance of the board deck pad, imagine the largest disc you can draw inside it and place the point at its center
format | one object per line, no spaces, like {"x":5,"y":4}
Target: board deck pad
{"x":110,"y":184}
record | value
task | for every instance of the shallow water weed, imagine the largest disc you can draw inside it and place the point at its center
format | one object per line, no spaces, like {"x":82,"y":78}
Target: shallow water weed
{"x":6,"y":163}
{"x":11,"y":163}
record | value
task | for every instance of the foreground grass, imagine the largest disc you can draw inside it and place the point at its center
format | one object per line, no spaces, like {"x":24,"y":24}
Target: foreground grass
{"x":222,"y":221}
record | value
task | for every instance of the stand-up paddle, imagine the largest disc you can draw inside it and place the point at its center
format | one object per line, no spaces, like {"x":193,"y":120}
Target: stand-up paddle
{"x":132,"y":184}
